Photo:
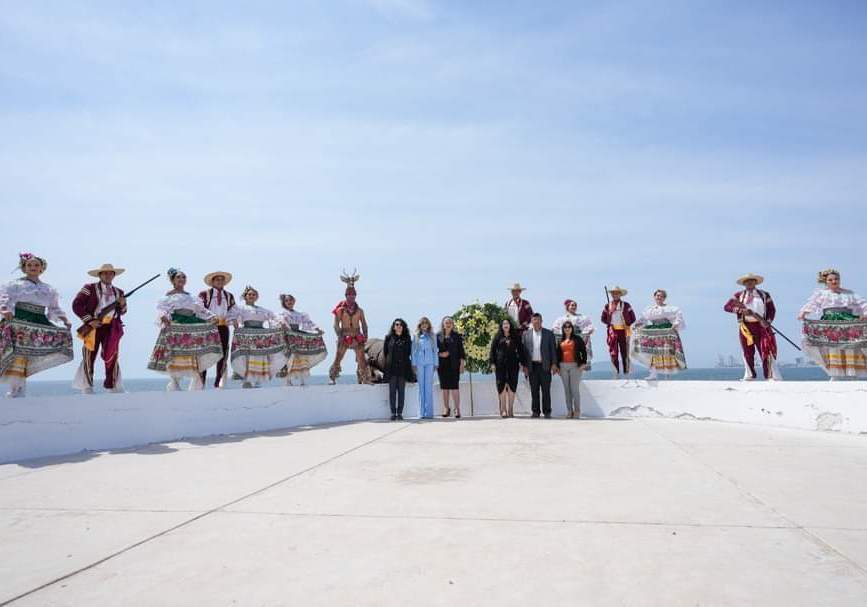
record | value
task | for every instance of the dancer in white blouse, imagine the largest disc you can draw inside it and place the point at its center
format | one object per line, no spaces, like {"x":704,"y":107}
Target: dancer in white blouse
{"x":188,"y":342}
{"x":29,"y":342}
{"x":835,"y":328}
{"x":258,"y":345}
{"x":657,"y":343}
{"x":304,"y":343}
{"x":582,"y":324}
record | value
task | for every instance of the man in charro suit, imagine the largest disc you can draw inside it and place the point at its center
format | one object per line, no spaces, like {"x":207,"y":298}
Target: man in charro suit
{"x":755,"y":311}
{"x":221,"y":303}
{"x":107,"y":329}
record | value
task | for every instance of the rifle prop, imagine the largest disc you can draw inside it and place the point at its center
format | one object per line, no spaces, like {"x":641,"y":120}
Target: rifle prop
{"x":772,"y":327}
{"x":85,"y":329}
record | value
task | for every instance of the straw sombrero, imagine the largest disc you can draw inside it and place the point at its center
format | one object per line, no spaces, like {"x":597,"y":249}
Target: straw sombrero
{"x":106,"y":267}
{"x":750,"y":276}
{"x":209,"y":278}
{"x":620,"y":290}
{"x":517,"y":287}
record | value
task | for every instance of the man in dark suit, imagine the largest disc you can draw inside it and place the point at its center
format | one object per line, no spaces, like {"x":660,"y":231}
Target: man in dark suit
{"x":542,"y":362}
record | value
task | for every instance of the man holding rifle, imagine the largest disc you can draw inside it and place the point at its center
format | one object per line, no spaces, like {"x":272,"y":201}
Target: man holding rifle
{"x":755,"y":312}
{"x":100,"y":305}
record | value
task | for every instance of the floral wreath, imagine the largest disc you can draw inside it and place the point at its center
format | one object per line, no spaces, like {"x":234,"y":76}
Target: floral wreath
{"x":23,"y":258}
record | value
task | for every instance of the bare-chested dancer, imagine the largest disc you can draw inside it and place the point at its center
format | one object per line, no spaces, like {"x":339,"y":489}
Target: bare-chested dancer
{"x":350,"y":325}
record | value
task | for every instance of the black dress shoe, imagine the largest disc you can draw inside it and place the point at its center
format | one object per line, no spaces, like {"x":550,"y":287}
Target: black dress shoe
{"x":547,"y":416}
{"x":393,"y":417}
{"x":535,"y":415}
{"x":400,"y":416}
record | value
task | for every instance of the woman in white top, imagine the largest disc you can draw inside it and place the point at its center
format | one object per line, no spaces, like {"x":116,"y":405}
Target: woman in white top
{"x":258,"y":345}
{"x":29,"y":342}
{"x":581,"y":323}
{"x":657,"y":343}
{"x":835,"y":328}
{"x":305,"y":346}
{"x":188,"y":342}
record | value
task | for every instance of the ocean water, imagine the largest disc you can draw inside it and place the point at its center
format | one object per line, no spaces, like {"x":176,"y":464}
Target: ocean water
{"x":59,"y":388}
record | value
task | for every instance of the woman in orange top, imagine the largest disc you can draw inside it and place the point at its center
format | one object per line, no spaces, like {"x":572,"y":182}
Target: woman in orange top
{"x":571,"y":357}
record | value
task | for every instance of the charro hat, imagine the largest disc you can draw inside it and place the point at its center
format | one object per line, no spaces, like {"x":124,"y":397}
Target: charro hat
{"x":750,"y":276}
{"x":209,"y":278}
{"x":106,"y":267}
{"x":517,"y":287}
{"x":617,"y":289}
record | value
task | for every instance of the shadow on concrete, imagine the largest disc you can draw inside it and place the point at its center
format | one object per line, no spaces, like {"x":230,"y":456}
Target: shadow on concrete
{"x":166,"y":447}
{"x":163,"y":448}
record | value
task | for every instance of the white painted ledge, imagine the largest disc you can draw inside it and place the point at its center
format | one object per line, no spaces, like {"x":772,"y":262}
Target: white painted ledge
{"x":42,"y":426}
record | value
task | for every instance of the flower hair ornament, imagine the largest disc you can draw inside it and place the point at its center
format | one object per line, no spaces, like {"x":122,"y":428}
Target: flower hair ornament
{"x":249,"y":289}
{"x":24,"y":257}
{"x":172,"y":272}
{"x":823,"y":275}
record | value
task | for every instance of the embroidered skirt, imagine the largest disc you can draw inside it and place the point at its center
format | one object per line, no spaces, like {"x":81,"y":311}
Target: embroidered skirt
{"x":29,"y":343}
{"x":659,"y":348}
{"x":186,"y":349}
{"x":838,"y":346}
{"x":303,"y":350}
{"x":258,"y":353}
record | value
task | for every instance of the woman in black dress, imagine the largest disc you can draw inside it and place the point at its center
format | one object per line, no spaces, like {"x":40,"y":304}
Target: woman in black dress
{"x":397,"y":349}
{"x":452,"y":359}
{"x":507,"y":355}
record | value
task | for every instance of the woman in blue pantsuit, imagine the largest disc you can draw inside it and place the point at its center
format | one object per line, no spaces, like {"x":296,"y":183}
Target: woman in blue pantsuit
{"x":425,"y":359}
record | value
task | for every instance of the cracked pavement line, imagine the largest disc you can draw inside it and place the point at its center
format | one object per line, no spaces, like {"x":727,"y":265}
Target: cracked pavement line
{"x":756,"y":499}
{"x":201,"y":516}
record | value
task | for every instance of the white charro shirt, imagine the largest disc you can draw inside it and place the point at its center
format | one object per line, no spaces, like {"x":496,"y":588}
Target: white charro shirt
{"x":219,"y":304}
{"x":512,"y":309}
{"x":106,"y":297}
{"x":753,"y":301}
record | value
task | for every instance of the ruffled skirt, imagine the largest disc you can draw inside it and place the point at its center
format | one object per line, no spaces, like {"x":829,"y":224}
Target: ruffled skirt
{"x":186,"y":349}
{"x":659,"y":349}
{"x":838,"y":346}
{"x":28,"y":347}
{"x":304,"y":351}
{"x":258,"y":353}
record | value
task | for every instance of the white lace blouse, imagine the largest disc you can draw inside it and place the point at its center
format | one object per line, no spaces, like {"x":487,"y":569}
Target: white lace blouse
{"x":302,"y":319}
{"x":181,"y":301}
{"x":36,"y":293}
{"x":254,"y":313}
{"x":657,"y":313}
{"x":581,"y":323}
{"x":824,"y":298}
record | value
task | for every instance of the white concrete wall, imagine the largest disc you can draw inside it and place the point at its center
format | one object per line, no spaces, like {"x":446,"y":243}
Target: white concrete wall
{"x":36,"y":427}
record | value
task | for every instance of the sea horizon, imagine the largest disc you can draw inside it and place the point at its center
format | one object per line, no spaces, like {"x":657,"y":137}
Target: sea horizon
{"x":158,"y":384}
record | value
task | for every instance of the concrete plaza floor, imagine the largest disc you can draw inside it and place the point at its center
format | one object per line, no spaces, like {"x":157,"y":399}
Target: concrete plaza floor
{"x":467,"y":512}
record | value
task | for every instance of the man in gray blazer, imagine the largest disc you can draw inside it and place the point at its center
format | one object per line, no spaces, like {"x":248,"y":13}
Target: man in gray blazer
{"x":541,"y":363}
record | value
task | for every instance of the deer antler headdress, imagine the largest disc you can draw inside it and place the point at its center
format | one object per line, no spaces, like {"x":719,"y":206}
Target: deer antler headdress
{"x":350,"y":280}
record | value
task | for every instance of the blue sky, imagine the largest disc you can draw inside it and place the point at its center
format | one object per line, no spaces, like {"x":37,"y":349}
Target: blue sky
{"x":446,"y":149}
